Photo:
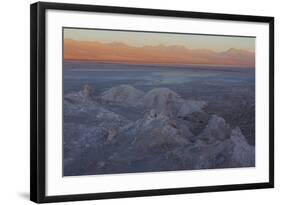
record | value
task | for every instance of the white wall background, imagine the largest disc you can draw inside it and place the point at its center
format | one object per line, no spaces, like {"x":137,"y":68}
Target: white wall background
{"x":14,"y":101}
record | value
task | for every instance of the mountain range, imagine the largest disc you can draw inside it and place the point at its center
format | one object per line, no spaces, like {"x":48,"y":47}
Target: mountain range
{"x":116,"y":52}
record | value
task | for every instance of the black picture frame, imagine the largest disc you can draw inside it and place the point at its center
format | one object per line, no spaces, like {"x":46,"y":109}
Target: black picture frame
{"x":38,"y":101}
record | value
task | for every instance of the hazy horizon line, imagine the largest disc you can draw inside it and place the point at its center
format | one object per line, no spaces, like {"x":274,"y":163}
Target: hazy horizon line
{"x":158,"y":64}
{"x":161,"y":54}
{"x":157,"y":45}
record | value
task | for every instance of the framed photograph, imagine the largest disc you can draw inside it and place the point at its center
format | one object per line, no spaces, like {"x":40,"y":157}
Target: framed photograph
{"x":129,"y":102}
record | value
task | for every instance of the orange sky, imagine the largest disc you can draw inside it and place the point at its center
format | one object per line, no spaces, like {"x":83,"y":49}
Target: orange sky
{"x":155,"y":54}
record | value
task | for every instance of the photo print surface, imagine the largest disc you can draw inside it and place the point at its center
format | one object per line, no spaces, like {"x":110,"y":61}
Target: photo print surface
{"x":138,"y":101}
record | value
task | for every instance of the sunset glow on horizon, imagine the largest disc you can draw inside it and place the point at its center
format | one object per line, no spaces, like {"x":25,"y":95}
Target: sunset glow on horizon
{"x":163,"y":48}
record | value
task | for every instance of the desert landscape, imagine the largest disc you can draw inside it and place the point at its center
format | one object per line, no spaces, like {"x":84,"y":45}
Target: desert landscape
{"x":156,"y":119}
{"x":130,"y":108}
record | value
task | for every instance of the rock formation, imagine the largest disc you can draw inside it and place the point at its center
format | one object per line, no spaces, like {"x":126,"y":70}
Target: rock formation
{"x":122,"y":94}
{"x":171,"y":133}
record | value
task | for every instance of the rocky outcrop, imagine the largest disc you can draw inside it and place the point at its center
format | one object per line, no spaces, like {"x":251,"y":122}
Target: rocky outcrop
{"x":233,"y":151}
{"x":126,"y":94}
{"x":157,"y":131}
{"x":87,"y":91}
{"x":169,"y":133}
{"x":160,"y":97}
{"x":243,"y":153}
{"x":164,"y":100}
{"x":84,"y":95}
{"x":191,"y":106}
{"x":216,"y":129}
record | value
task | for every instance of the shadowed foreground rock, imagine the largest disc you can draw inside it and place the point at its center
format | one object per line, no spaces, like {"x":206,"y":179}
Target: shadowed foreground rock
{"x":169,"y":133}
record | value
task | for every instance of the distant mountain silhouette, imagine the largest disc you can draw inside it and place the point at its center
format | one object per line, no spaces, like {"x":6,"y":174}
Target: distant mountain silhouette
{"x":159,"y":54}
